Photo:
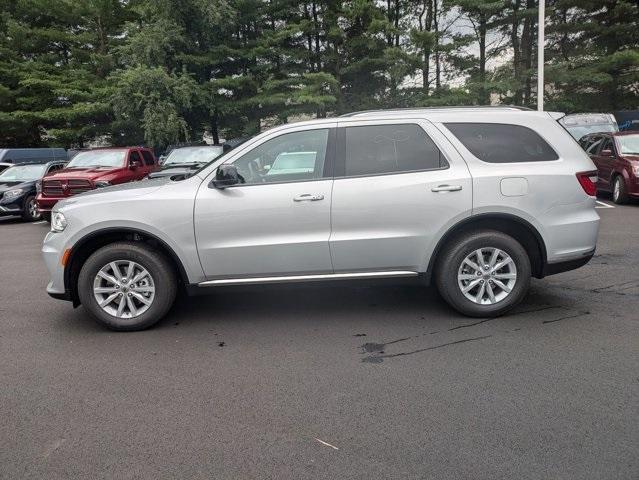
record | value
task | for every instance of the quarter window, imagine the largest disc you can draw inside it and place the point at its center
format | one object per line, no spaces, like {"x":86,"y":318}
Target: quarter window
{"x":296,"y":156}
{"x":501,"y":143}
{"x":380,"y":149}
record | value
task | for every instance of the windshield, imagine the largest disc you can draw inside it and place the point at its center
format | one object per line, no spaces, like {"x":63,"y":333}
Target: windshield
{"x":580,"y":131}
{"x":22,"y":173}
{"x":629,"y":144}
{"x":192,"y":155}
{"x":98,"y":158}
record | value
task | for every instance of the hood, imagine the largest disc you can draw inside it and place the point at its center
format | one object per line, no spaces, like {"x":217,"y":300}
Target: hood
{"x":82,"y":173}
{"x":171,"y":171}
{"x":4,"y":186}
{"x":116,"y":192}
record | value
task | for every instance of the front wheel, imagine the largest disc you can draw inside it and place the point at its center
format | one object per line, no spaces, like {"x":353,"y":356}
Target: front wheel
{"x":127,"y":286}
{"x":30,"y":212}
{"x":619,"y":191}
{"x":483,"y":274}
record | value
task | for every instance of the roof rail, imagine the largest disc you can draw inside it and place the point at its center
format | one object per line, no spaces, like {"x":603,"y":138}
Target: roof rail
{"x":455,"y":107}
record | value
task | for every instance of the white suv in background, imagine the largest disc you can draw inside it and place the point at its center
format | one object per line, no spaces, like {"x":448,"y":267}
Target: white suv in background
{"x":477,"y":200}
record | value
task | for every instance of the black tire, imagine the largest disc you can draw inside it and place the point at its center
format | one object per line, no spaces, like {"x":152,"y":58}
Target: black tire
{"x":156,"y":264}
{"x":46,"y":216}
{"x":621,"y":197}
{"x":27,"y":215}
{"x":450,"y":260}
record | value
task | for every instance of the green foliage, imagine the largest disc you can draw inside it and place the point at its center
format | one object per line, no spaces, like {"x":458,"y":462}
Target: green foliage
{"x":76,"y":72}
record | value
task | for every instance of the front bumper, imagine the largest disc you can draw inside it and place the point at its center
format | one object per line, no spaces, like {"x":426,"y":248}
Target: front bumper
{"x":45,"y":204}
{"x":52,"y":250}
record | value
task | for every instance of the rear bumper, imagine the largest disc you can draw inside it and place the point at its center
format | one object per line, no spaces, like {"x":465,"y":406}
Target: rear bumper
{"x":567,"y":265}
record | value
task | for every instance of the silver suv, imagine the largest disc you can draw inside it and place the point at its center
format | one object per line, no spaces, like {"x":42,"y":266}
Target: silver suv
{"x":476,"y":200}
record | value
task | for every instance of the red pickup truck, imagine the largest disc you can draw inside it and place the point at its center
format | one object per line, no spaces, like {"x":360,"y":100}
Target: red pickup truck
{"x":95,"y":168}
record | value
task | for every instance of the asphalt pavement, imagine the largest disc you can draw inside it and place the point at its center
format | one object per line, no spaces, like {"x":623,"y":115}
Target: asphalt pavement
{"x":344,"y":381}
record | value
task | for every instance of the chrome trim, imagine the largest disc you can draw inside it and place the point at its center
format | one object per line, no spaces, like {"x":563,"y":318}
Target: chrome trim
{"x":307,"y":278}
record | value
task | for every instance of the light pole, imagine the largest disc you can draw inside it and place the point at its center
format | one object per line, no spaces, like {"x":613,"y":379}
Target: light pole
{"x":540,"y":55}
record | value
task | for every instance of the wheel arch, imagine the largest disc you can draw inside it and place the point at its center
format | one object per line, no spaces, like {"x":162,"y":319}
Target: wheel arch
{"x":518,"y":228}
{"x":91,"y":242}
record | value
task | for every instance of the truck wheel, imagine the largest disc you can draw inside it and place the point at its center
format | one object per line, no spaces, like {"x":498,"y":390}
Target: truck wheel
{"x":483,"y":274}
{"x":30,"y":212}
{"x":619,"y":191}
{"x":127,"y":286}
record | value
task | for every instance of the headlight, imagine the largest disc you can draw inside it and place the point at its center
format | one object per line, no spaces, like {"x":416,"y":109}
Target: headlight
{"x":102,"y":183}
{"x":635,"y":169}
{"x":58,"y":222}
{"x":11,"y":194}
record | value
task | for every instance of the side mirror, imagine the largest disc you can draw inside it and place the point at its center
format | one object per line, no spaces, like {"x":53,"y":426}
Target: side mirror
{"x":135,"y":164}
{"x":607,"y":153}
{"x":226,"y":176}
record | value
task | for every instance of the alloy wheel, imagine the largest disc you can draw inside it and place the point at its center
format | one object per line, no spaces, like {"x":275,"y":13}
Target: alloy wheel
{"x":32,"y":207}
{"x":487,"y":276}
{"x":124,"y":289}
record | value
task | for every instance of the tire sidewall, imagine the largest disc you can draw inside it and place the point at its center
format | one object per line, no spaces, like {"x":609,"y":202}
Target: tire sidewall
{"x":448,"y":283}
{"x":26,"y":214}
{"x":154,"y":263}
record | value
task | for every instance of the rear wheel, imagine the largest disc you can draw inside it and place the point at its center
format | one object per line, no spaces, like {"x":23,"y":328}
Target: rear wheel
{"x":30,"y":212}
{"x":127,"y":286}
{"x":483,"y":274}
{"x":619,"y":191}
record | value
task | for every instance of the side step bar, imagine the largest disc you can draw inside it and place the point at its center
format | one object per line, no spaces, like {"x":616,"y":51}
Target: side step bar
{"x":308,"y":278}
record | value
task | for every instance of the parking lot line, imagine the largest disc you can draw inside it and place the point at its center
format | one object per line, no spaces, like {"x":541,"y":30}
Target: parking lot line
{"x":601,"y":204}
{"x":39,"y":222}
{"x":327,"y":444}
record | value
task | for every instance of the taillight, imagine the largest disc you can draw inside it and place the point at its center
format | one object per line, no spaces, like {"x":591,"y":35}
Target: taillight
{"x":588,"y":181}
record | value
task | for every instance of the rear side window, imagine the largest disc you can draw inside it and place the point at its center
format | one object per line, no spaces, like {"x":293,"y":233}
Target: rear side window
{"x":148,"y":158}
{"x":380,"y":149}
{"x":502,"y":143}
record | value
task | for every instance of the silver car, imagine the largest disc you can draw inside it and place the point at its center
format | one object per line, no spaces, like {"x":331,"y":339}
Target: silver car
{"x":475,"y":200}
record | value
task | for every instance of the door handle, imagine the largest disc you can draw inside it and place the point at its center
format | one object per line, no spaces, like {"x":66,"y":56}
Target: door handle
{"x":307,"y":197}
{"x":446,"y":188}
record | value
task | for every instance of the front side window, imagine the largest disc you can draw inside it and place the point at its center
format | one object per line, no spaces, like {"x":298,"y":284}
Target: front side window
{"x":607,"y":145}
{"x":98,"y":158}
{"x":296,"y":156}
{"x":502,"y":143}
{"x":383,"y":149}
{"x":593,"y":145}
{"x":135,"y":158}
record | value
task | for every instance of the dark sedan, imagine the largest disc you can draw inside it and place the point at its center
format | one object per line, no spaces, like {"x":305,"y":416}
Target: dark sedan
{"x":18,"y":187}
{"x":184,"y":161}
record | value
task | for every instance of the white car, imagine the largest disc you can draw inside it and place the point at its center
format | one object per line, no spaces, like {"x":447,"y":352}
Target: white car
{"x":476,"y":200}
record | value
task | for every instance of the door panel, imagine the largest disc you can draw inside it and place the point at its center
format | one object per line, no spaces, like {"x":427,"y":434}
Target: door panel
{"x":391,"y":221}
{"x":277,"y":222}
{"x":261,"y":230}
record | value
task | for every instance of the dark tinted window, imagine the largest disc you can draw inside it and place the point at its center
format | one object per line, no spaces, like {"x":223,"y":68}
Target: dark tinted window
{"x":371,"y":150}
{"x":593,"y":145}
{"x":135,"y":157}
{"x":500,"y":143}
{"x":148,"y":158}
{"x":606,"y":144}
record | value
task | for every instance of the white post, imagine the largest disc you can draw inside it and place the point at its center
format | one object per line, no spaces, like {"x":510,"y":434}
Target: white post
{"x":540,"y":55}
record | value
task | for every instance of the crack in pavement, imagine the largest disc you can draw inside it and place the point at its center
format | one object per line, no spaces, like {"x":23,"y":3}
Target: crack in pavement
{"x":579,"y":314}
{"x":466,"y":325}
{"x":380,"y":358}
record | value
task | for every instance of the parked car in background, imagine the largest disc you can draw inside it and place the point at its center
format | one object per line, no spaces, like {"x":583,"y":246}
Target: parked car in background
{"x":476,"y":200}
{"x":95,"y":169}
{"x":32,"y":155}
{"x":18,"y":188}
{"x":186,"y":160}
{"x":616,"y":156}
{"x":580,"y":124}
